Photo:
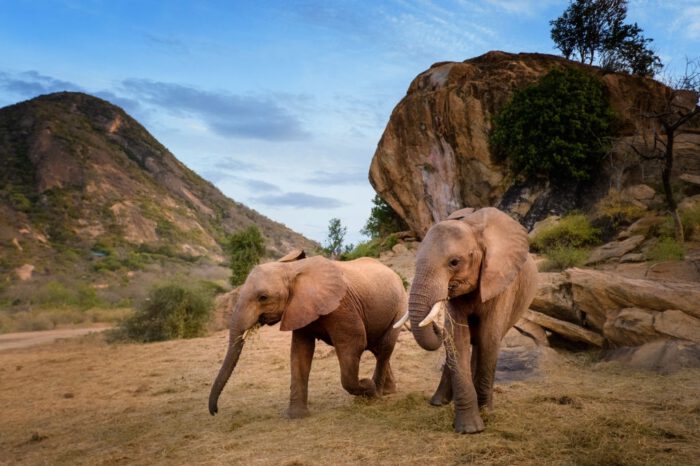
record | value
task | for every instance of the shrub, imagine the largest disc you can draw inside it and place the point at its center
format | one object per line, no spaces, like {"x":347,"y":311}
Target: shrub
{"x":245,"y":248}
{"x":666,"y":249}
{"x":558,"y":128}
{"x":573,"y":230}
{"x":170,"y":312}
{"x":383,"y":220}
{"x":690,"y":218}
{"x":564,"y":257}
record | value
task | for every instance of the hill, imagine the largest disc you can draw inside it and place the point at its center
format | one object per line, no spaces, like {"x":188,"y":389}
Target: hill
{"x":85,"y":190}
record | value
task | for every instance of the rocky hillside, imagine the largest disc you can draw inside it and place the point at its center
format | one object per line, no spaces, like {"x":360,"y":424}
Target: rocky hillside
{"x":81,"y":182}
{"x":434,"y":155}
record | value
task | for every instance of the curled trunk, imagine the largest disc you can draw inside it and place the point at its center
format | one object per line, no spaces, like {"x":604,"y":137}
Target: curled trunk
{"x":235,"y":346}
{"x":424,"y":294}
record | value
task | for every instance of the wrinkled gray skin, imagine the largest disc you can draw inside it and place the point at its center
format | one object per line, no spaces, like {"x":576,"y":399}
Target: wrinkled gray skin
{"x":479,"y":261}
{"x":349,"y":305}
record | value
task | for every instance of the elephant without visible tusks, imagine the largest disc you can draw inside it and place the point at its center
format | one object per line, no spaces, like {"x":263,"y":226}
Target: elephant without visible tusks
{"x":349,"y":305}
{"x":476,"y":265}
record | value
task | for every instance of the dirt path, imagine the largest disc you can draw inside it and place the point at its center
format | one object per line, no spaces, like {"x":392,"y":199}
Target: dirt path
{"x":29,"y":339}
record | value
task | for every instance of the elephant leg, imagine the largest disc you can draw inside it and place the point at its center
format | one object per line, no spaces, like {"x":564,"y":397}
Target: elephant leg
{"x":485,"y":359}
{"x":467,"y":417}
{"x":443,"y":394}
{"x":383,"y":377}
{"x":302,"y":355}
{"x":349,"y":360}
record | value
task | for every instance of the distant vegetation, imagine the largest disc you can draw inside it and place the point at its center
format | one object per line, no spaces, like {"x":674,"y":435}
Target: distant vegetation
{"x":170,"y":312}
{"x":335,"y":245}
{"x":245,"y":249}
{"x":558,"y":128}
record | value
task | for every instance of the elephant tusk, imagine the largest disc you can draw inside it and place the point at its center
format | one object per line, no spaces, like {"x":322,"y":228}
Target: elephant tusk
{"x":245,"y":335}
{"x":401,"y":321}
{"x":437,"y":307}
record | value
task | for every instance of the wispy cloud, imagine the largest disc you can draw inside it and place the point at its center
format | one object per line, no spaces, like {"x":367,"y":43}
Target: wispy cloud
{"x":32,"y":83}
{"x":527,"y":7}
{"x":327,"y":178}
{"x":258,"y":185}
{"x":298,"y":200}
{"x":226,"y":114}
{"x":167,"y":43}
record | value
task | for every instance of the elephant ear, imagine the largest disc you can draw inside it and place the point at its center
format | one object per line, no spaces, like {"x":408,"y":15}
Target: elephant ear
{"x":293,"y":255}
{"x":461,"y":213}
{"x":505,"y":249}
{"x":317,"y":288}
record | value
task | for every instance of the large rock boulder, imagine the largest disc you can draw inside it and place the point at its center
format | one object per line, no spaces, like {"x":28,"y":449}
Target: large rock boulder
{"x":434,"y":155}
{"x":606,"y":309}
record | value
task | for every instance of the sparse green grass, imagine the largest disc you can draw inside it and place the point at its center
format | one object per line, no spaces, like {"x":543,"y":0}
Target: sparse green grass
{"x":666,"y":249}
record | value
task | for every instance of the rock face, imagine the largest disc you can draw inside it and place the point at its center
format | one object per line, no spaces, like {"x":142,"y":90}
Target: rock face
{"x":609,"y":310}
{"x":434,"y":155}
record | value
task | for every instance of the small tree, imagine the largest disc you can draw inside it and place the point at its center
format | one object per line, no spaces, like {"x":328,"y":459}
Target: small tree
{"x":681,"y":107}
{"x":336,"y":236}
{"x":245,"y":248}
{"x":595,"y":29}
{"x":383,"y":220}
{"x":557,"y":128}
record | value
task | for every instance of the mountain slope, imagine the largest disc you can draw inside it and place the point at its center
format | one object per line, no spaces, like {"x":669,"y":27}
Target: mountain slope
{"x":80,"y":180}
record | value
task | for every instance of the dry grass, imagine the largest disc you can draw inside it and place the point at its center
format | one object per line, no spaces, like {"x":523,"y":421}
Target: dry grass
{"x":86,"y":402}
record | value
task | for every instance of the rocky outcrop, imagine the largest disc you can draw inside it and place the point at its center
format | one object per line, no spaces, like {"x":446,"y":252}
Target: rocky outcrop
{"x":607,"y":309}
{"x":434,"y":155}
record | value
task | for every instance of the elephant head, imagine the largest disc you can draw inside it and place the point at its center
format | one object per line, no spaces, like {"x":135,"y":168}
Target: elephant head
{"x":478,"y":252}
{"x":294,"y":291}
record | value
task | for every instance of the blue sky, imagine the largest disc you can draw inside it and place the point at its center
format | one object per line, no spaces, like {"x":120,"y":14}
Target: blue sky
{"x":280,"y":103}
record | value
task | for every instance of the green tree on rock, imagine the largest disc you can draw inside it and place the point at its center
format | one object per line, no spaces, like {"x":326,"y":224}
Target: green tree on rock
{"x":558,"y":128}
{"x":383,"y":220}
{"x":594,"y":32}
{"x":245,"y":248}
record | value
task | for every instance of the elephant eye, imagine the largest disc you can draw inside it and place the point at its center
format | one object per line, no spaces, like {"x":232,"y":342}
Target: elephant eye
{"x":262,"y":298}
{"x":454,"y":262}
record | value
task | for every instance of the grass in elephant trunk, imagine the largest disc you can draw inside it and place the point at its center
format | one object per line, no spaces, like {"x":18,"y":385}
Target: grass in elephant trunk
{"x":86,"y":402}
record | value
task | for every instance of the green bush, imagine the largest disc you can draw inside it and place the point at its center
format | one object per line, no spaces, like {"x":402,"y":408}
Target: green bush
{"x":245,"y":248}
{"x":573,"y":230}
{"x":666,"y":249}
{"x":383,"y":220}
{"x":557,"y":128}
{"x":564,"y":257}
{"x":169,"y":312}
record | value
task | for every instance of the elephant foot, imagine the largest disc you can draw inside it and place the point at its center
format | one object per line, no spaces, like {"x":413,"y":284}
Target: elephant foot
{"x":368,"y":388}
{"x":297,"y":412}
{"x":468,"y":423}
{"x":387,"y":390}
{"x":440,"y":399}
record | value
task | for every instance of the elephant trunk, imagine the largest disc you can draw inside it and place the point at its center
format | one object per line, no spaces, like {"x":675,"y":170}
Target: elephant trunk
{"x":425,"y":292}
{"x":235,"y":345}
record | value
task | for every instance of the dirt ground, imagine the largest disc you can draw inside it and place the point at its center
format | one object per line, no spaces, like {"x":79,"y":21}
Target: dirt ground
{"x":83,"y":401}
{"x":29,"y":339}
